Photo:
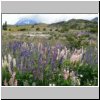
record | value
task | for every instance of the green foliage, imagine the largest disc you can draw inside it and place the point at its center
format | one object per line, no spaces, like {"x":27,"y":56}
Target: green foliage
{"x":77,"y":41}
{"x":73,"y":41}
{"x":94,"y":30}
{"x":5,"y":74}
{"x":90,"y":74}
{"x":23,"y":76}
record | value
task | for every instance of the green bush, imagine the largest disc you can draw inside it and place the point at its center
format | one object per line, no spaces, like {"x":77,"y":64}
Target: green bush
{"x":94,"y":30}
{"x":37,"y":29}
{"x":5,"y":74}
{"x":50,"y":29}
{"x":89,"y":73}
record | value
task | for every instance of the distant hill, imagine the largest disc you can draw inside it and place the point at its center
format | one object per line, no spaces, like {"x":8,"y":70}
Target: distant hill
{"x":80,"y":24}
{"x":76,"y":24}
{"x":57,"y":24}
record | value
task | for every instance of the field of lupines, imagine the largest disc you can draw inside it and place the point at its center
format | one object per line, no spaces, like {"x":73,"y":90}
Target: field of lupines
{"x":43,"y":64}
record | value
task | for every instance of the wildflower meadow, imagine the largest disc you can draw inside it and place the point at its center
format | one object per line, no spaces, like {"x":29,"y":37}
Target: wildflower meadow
{"x":50,"y":55}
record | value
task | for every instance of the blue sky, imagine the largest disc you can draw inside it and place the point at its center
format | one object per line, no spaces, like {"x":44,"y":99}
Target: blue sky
{"x":45,"y":18}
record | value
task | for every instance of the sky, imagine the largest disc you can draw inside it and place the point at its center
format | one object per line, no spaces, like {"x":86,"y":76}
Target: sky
{"x":46,"y":18}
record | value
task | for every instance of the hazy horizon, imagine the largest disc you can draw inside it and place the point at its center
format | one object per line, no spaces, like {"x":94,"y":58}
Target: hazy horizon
{"x":45,"y":18}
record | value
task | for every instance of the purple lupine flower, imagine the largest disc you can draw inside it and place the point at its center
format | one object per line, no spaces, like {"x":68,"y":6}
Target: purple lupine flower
{"x":54,"y":56}
{"x":48,"y":56}
{"x":90,"y":56}
{"x":31,"y":62}
{"x":11,"y":65}
{"x":39,"y":60}
{"x":25,"y":53}
{"x":16,"y":45}
{"x":59,"y":46}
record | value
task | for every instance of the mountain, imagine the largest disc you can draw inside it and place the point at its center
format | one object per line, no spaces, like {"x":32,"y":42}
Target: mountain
{"x":95,"y":19}
{"x":27,"y":21}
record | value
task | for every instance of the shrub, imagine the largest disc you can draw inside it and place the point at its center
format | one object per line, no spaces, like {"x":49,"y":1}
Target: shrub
{"x":9,"y":29}
{"x":56,"y":29}
{"x":37,"y":29}
{"x":50,"y":29}
{"x":44,"y":29}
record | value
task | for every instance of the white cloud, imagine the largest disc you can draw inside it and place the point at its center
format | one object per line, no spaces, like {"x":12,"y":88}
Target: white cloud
{"x":45,"y":18}
{"x":13,"y":18}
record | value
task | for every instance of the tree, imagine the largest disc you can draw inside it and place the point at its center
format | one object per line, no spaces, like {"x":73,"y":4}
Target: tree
{"x":5,"y":26}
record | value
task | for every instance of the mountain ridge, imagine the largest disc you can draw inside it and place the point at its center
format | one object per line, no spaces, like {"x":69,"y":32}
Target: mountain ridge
{"x":32,"y":21}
